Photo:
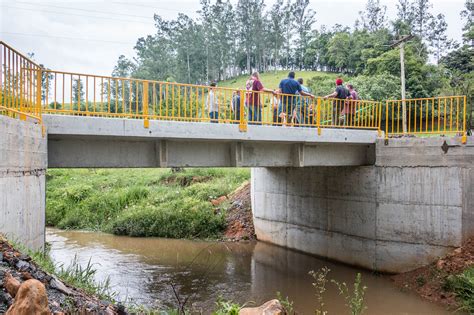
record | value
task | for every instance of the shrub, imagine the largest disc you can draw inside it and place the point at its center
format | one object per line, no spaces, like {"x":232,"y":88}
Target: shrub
{"x":138,"y":202}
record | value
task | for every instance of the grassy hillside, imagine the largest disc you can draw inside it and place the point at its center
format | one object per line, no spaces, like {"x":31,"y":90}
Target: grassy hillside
{"x":140,"y":202}
{"x":272,"y":79}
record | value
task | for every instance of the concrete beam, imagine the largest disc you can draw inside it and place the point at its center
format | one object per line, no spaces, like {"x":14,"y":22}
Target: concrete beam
{"x":123,"y":152}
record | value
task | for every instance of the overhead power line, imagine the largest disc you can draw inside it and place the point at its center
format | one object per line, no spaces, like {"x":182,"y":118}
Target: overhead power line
{"x":65,"y":37}
{"x":74,"y":14}
{"x":85,"y":10}
{"x":151,"y":6}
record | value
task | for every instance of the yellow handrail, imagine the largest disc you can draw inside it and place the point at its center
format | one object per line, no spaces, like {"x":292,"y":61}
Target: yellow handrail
{"x":27,"y":90}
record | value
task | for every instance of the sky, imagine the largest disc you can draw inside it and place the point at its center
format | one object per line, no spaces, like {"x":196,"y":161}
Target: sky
{"x":89,"y":36}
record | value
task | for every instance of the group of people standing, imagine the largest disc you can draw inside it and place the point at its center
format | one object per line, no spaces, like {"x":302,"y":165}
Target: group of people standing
{"x":288,"y":105}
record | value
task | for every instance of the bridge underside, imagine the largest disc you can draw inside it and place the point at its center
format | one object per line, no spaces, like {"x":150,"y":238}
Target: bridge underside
{"x":105,"y":142}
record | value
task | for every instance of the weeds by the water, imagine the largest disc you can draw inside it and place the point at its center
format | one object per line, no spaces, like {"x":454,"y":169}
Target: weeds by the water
{"x":354,"y":300}
{"x":286,"y":303}
{"x":320,"y":281}
{"x":74,"y":274}
{"x":463,"y":286}
{"x":227,"y":307}
{"x":83,"y":277}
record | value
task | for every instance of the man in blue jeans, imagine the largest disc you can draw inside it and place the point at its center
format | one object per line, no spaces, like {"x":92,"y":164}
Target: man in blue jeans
{"x":290,"y":87}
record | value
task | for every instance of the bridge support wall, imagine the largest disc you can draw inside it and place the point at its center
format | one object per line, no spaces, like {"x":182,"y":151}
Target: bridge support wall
{"x":413,"y":206}
{"x":23,"y":160}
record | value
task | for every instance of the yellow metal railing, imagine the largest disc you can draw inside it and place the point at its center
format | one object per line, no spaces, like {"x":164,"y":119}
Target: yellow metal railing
{"x":92,"y":95}
{"x":28,"y":90}
{"x":426,"y":116}
{"x":20,"y":91}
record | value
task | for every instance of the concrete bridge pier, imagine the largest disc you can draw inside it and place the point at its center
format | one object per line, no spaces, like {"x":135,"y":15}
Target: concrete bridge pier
{"x":414,"y":205}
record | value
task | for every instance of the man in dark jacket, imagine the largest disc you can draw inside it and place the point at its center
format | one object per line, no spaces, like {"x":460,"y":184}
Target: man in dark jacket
{"x":339,"y":95}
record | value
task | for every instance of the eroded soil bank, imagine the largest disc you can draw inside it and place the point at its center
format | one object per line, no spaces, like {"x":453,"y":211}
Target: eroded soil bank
{"x":432,"y":282}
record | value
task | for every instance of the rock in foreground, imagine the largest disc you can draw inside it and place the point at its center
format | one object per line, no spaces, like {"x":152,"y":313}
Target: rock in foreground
{"x":31,"y":298}
{"x":272,"y":307}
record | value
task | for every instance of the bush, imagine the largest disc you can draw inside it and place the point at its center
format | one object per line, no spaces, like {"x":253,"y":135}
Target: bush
{"x":140,"y":202}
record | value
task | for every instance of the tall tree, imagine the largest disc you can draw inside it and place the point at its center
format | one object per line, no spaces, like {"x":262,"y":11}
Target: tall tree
{"x":438,"y":38}
{"x":304,"y":18}
{"x":405,"y":11}
{"x":374,"y":17}
{"x":468,"y":15}
{"x":421,"y":17}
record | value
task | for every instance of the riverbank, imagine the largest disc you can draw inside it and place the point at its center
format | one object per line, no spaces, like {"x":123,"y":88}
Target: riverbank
{"x":17,"y":268}
{"x":448,"y":281}
{"x":185,"y":203}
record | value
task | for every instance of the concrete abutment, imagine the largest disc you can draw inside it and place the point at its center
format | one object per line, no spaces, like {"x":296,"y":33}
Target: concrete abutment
{"x":23,"y":160}
{"x":412,"y":206}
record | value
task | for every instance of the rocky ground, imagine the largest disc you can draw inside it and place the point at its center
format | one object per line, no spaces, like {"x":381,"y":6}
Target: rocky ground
{"x":26,"y":289}
{"x":429,"y":281}
{"x":239,"y":215}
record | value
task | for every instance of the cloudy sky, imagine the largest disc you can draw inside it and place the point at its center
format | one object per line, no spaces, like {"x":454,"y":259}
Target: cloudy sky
{"x":88,"y":36}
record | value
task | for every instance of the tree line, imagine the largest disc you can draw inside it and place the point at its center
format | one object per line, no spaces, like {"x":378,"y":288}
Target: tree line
{"x":227,"y":40}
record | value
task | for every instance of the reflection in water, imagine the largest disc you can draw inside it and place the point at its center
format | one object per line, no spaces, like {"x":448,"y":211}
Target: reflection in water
{"x":142,"y":270}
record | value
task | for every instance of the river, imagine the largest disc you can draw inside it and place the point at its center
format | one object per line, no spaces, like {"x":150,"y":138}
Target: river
{"x":141,"y":270}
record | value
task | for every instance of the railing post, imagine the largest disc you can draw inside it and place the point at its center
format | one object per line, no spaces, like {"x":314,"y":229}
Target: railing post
{"x":243,"y":121}
{"x":379,"y":117}
{"x":318,"y":115}
{"x":37,"y":107}
{"x":464,"y":135}
{"x":22,"y":105}
{"x":146,"y":122}
{"x":386,"y":120}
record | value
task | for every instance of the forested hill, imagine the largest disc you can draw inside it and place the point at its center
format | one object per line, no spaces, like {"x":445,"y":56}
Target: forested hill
{"x":229,"y":39}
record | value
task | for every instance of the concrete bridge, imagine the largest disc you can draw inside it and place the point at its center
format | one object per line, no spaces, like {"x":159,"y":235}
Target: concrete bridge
{"x":336,"y":188}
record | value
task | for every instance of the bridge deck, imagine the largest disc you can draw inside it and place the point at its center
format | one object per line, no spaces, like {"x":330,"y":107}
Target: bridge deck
{"x":75,"y":141}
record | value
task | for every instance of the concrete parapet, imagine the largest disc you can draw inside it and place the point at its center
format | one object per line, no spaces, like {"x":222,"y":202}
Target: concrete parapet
{"x":23,"y":159}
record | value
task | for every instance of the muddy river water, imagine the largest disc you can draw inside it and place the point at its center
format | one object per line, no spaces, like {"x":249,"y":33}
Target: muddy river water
{"x":141,"y":270}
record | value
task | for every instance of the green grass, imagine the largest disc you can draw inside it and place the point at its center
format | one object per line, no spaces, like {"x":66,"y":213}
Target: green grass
{"x":271,"y":79}
{"x":463,"y":286}
{"x":140,"y":202}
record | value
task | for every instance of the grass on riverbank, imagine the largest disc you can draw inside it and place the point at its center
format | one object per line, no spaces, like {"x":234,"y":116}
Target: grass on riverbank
{"x":75,"y":275}
{"x":463,"y":286}
{"x":140,"y":202}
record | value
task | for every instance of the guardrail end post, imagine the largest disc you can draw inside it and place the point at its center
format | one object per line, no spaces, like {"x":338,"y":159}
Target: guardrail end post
{"x":22,"y":117}
{"x":146,"y":123}
{"x":464,"y":138}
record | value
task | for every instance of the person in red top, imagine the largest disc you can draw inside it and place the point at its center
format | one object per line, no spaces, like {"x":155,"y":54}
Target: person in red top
{"x":253,"y":101}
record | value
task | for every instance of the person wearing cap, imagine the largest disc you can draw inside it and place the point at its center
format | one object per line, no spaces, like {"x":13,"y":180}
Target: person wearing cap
{"x":339,"y":95}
